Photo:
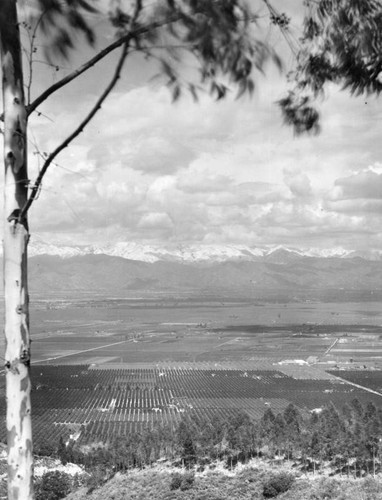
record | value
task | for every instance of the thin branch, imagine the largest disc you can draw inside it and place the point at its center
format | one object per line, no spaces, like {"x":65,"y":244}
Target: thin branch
{"x":32,"y":40}
{"x":293,"y":43}
{"x":41,"y":155}
{"x":39,"y":113}
{"x":77,"y":131}
{"x":91,"y":62}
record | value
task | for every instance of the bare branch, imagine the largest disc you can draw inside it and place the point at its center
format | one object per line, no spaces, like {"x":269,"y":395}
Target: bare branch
{"x":76,"y":132}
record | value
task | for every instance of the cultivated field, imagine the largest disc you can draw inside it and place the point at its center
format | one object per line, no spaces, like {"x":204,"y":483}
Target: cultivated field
{"x":104,"y":366}
{"x":160,"y":329}
{"x":95,"y":404}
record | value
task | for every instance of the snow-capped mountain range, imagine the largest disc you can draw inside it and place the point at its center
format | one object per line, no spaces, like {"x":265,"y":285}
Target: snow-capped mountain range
{"x":136,"y":270}
{"x":196,"y":253}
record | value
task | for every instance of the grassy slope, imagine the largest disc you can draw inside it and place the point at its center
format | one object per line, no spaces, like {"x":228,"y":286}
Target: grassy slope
{"x":246,"y":483}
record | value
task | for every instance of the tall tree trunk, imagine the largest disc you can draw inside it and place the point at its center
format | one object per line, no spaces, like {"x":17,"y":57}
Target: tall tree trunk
{"x":17,"y":353}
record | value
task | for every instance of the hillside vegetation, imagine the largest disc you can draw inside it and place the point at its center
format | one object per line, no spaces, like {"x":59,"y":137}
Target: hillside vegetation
{"x":344,"y":442}
{"x":284,"y":455}
{"x":248,"y":483}
{"x":331,"y":455}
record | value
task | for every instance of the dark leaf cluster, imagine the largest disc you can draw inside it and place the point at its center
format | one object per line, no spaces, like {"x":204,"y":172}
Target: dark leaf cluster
{"x":61,"y":21}
{"x":341,"y":44}
{"x":219,"y":36}
{"x":281,"y":20}
{"x":299,"y":112}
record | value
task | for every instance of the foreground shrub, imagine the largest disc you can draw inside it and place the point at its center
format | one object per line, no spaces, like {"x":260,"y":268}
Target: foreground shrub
{"x":53,"y":485}
{"x":45,"y":449}
{"x":279,"y":483}
{"x":182,"y":481}
{"x":98,"y":476}
{"x":176,"y":481}
{"x":187,"y":481}
{"x":327,"y":489}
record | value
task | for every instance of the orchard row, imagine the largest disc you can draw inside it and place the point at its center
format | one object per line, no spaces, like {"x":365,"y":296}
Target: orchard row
{"x":98,"y":404}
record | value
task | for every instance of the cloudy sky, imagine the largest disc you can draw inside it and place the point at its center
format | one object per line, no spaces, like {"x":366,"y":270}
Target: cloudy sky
{"x":228,"y":172}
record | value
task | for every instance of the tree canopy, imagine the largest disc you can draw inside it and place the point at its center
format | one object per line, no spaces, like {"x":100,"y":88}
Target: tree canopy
{"x":340,"y":44}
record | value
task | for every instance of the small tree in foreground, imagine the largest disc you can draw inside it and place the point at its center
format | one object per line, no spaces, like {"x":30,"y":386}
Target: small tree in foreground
{"x":278,"y":483}
{"x":218,"y":38}
{"x":53,"y":485}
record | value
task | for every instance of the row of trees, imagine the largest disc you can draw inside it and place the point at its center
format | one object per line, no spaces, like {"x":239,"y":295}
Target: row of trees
{"x":347,"y":440}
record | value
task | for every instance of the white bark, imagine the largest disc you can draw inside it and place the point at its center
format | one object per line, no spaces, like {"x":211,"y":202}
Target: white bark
{"x":17,"y":353}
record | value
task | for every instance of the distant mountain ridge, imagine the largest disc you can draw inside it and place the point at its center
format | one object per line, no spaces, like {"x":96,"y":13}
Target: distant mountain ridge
{"x":196,"y":253}
{"x":132,"y":270}
{"x":136,"y":270}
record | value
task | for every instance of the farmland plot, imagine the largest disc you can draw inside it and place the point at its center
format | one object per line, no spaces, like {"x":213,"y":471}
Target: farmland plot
{"x":367,"y":378}
{"x":84,"y":330}
{"x":93,"y":405}
{"x":163,"y":357}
